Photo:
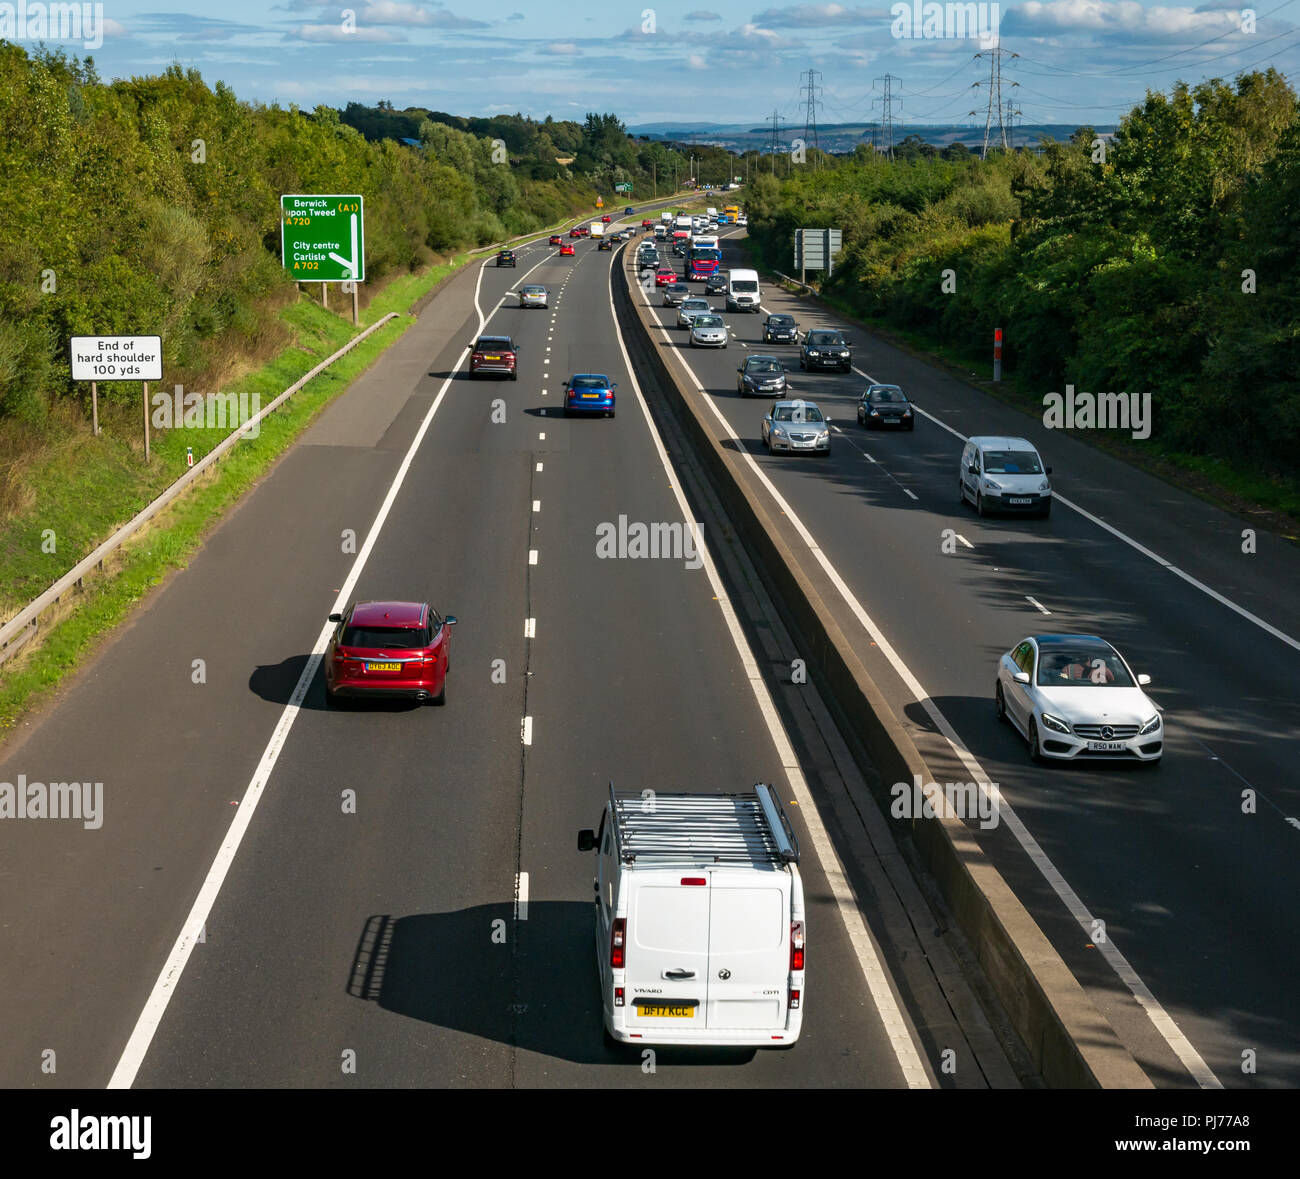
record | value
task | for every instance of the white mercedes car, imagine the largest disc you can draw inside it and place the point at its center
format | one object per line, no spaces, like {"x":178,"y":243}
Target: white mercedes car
{"x":1072,"y":697}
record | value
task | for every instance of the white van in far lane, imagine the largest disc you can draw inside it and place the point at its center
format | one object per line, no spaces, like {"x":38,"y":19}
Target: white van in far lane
{"x":743,"y":293}
{"x":699,"y":918}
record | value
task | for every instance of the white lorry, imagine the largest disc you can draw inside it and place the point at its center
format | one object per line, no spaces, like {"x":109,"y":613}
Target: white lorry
{"x":597,"y":229}
{"x":699,"y":918}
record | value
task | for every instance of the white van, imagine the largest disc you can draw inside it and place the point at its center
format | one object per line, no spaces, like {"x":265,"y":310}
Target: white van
{"x":742,"y":291}
{"x":1002,"y":474}
{"x":699,"y":918}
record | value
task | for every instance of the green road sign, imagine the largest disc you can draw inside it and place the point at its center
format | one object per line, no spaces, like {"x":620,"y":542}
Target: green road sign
{"x":322,"y":238}
{"x":622,"y":188}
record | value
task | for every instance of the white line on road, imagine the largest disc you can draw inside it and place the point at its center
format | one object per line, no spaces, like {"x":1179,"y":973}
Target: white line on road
{"x":521,"y":896}
{"x":530,"y":628}
{"x":526,"y":730}
{"x":1035,"y":602}
{"x":532,"y":556}
{"x":964,"y":541}
{"x":537,"y":505}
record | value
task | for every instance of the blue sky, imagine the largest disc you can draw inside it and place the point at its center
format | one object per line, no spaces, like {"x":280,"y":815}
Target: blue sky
{"x":700,"y":61}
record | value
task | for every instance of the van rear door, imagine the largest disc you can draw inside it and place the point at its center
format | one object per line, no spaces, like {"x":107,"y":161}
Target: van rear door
{"x":668,"y":950}
{"x":749,"y":935}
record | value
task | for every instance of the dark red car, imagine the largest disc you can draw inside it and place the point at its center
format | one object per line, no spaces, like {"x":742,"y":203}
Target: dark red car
{"x":494,"y":354}
{"x":605,"y":218}
{"x":388,"y":649}
{"x":665,"y":276}
{"x":647,"y":223}
{"x":556,"y":239}
{"x":576,"y":231}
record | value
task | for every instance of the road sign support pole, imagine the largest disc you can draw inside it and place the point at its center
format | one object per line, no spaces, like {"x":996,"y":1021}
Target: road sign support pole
{"x":94,"y":409}
{"x":355,"y":296}
{"x":997,"y":354}
{"x":145,"y":385}
{"x":324,"y":295}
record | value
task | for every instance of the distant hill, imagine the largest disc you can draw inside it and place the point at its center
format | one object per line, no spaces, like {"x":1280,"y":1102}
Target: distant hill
{"x":844,"y":137}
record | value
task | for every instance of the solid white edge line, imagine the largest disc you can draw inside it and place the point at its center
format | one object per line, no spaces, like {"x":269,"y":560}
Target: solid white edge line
{"x":891,"y":1017}
{"x":521,"y":896}
{"x":526,"y":730}
{"x":1039,"y":605}
{"x":146,"y":1025}
{"x":1160,"y":1019}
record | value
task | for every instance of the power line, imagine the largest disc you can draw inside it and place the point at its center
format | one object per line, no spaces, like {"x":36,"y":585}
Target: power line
{"x":887,"y":114}
{"x":995,"y":97}
{"x":810,"y":115}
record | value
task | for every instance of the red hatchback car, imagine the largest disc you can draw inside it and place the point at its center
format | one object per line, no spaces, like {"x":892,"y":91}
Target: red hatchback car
{"x":575,"y":232}
{"x":664,"y":277}
{"x":566,"y":250}
{"x":388,"y":649}
{"x":605,"y":218}
{"x":556,"y":239}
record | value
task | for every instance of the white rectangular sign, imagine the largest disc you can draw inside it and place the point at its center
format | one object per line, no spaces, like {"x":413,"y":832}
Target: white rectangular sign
{"x":116,"y":358}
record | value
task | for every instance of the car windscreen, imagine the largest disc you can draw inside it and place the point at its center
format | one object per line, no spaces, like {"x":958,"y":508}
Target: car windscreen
{"x":706,"y":254}
{"x":678,"y":287}
{"x":492,"y":344}
{"x":388,"y":638}
{"x":825,"y":338}
{"x":1011,"y":462}
{"x":707,"y":321}
{"x":887,"y":395}
{"x":762,"y":366}
{"x":1083,"y":667}
{"x":780,"y":320}
{"x":695,"y":305}
{"x":791,"y":413}
{"x":534,"y":290}
{"x":589,"y":383}
{"x":747,"y":285}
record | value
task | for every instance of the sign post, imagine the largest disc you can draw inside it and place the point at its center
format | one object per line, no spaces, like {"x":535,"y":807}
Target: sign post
{"x":322,"y":239}
{"x":116,"y":358}
{"x":997,"y":354}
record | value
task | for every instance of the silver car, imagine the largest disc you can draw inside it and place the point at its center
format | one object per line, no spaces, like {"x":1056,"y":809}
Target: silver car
{"x":1073,"y":698}
{"x":709,"y":331}
{"x":533,"y":296}
{"x":675,"y":292}
{"x":796,"y":425}
{"x":689,"y":309}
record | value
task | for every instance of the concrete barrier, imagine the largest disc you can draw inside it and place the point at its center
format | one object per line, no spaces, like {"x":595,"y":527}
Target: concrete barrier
{"x":1071,"y":1042}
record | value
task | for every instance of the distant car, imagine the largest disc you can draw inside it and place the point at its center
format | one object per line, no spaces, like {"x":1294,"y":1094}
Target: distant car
{"x":1074,"y":698}
{"x":533,"y":295}
{"x":388,"y":649}
{"x":742,"y":220}
{"x":796,"y":426}
{"x":709,"y":331}
{"x":760,"y":376}
{"x":605,"y":243}
{"x":576,"y":231}
{"x":689,"y":309}
{"x":647,"y":260}
{"x":507,"y":258}
{"x":566,"y":250}
{"x":629,"y":211}
{"x":885,"y":405}
{"x":647,"y":223}
{"x":675,"y":292}
{"x":493,"y":354}
{"x":679,"y":248}
{"x":825,"y":348}
{"x":556,"y":239}
{"x":780,"y":329}
{"x":589,"y":393}
{"x":606,"y":218}
{"x":716,"y":283}
{"x":1002,"y":474}
{"x":665,"y":275}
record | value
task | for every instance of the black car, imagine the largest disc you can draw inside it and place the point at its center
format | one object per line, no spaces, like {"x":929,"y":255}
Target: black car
{"x":605,"y":244}
{"x":507,"y":258}
{"x":780,"y":329}
{"x":716,"y":283}
{"x":885,"y":405}
{"x":761,"y":376}
{"x":825,"y":348}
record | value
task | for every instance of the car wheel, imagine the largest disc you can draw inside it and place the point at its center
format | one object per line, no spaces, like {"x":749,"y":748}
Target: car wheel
{"x":331,"y":700}
{"x":441,"y":698}
{"x":979,"y":504}
{"x":1035,"y":752}
{"x":802,"y":365}
{"x":961,"y":493}
{"x":1047,"y":511}
{"x":611,"y":413}
{"x":514,"y":376}
{"x":1000,"y":705}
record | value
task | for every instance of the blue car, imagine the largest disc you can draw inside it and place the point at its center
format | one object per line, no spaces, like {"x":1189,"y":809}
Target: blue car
{"x":589,"y":393}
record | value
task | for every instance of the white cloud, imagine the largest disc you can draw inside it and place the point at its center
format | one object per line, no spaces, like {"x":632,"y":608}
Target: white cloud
{"x":561,"y":49}
{"x":1119,"y":16}
{"x":808,"y":16}
{"x":335,"y":33}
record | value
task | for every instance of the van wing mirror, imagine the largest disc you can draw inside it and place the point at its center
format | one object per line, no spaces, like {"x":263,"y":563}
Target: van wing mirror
{"x":973,"y":469}
{"x":586,"y":840}
{"x":1143,"y":680}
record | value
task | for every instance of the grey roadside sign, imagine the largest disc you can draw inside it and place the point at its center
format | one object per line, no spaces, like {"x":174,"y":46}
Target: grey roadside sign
{"x":815,"y":249}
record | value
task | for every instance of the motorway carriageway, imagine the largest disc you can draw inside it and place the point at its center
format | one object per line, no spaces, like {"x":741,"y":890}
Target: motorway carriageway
{"x":277,"y":885}
{"x":1196,"y":886}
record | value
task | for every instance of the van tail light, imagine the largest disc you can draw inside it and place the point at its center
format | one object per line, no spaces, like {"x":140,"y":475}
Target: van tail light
{"x":796,"y":945}
{"x":617,"y":948}
{"x":619,"y":1000}
{"x":794,"y":998}
{"x":695,"y":880}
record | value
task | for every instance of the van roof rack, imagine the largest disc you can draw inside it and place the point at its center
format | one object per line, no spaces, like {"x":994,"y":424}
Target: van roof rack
{"x":722,"y":828}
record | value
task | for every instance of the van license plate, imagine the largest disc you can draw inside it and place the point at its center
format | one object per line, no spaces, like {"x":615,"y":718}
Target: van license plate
{"x":665,"y":1011}
{"x":1017,"y":500}
{"x":1105,"y":746}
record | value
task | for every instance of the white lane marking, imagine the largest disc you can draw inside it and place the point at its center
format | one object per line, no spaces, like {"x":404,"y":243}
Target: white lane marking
{"x":164,"y":987}
{"x":891,"y":1016}
{"x":530,"y":628}
{"x":537,"y":505}
{"x":521,"y":896}
{"x":1163,"y":1023}
{"x":911,"y":493}
{"x":964,"y":541}
{"x":539,"y":466}
{"x":1036,"y":603}
{"x":526,"y":730}
{"x":532,"y":556}
{"x":541,"y":437}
